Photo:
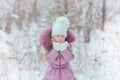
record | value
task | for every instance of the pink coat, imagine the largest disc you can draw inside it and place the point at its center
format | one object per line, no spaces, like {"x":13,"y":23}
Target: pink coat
{"x":59,"y":67}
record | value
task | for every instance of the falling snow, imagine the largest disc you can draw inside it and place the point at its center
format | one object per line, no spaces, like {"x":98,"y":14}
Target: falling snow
{"x":96,"y":50}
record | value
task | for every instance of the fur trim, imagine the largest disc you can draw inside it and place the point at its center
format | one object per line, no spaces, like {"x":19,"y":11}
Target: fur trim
{"x":45,"y":38}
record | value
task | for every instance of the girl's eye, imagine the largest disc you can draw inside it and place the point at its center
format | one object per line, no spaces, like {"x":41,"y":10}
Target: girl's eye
{"x":62,"y":35}
{"x":57,"y":35}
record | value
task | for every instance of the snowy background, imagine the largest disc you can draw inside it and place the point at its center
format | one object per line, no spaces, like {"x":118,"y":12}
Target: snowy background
{"x":96,"y":24}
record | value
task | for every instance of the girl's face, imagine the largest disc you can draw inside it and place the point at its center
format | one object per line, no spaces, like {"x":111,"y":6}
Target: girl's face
{"x":59,"y":38}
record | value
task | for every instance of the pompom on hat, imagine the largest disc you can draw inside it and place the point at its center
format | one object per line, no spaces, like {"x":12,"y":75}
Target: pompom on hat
{"x":60,"y":26}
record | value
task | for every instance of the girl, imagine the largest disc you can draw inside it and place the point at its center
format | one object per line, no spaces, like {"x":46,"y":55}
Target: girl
{"x":57,"y":41}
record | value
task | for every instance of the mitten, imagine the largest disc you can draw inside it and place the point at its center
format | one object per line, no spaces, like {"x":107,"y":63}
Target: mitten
{"x":56,"y":46}
{"x":64,"y":46}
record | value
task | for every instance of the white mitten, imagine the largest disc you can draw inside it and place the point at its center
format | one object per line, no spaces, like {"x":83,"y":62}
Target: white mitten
{"x":64,"y":46}
{"x":56,"y":46}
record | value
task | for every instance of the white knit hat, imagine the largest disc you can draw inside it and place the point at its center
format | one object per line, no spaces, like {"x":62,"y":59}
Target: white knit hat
{"x":61,"y":26}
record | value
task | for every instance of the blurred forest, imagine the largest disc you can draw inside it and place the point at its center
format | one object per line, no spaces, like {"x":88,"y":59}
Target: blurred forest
{"x":84,"y":15}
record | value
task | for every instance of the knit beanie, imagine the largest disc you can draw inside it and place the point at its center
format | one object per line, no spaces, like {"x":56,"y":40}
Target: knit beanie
{"x":60,"y":26}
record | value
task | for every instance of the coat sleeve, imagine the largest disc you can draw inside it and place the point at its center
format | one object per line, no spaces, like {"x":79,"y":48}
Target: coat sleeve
{"x":52,"y":57}
{"x":67,"y":56}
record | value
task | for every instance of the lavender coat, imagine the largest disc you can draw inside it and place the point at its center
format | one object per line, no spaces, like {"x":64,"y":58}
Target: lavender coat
{"x":59,"y":67}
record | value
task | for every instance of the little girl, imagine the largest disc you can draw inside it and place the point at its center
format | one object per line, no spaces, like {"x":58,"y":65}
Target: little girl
{"x":56,"y":42}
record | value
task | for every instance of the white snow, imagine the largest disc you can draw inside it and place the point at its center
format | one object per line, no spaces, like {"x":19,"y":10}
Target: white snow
{"x":21,"y":55}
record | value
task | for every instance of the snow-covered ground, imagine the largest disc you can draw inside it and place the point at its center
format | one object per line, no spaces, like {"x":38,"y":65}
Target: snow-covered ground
{"x":21,"y":55}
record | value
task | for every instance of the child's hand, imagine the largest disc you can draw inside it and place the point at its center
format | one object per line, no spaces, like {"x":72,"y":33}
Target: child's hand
{"x":60,"y":47}
{"x":64,"y":46}
{"x":56,"y":46}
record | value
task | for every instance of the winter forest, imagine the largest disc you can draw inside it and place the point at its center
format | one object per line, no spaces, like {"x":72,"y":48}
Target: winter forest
{"x":96,"y":24}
